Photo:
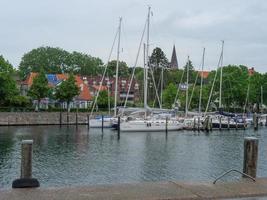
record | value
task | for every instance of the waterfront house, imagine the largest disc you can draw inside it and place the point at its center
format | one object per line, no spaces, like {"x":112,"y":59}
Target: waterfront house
{"x":83,"y":100}
{"x":94,"y":82}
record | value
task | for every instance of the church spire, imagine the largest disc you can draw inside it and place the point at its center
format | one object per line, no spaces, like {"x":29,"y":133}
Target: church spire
{"x":174,"y":62}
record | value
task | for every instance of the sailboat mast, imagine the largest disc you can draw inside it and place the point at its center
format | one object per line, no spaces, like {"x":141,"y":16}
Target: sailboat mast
{"x":117,"y":69}
{"x":187,"y":87}
{"x":161,"y":88}
{"x":261,"y":99}
{"x":147,"y":59}
{"x":220,"y":100}
{"x":145,"y":78}
{"x":201,"y":82}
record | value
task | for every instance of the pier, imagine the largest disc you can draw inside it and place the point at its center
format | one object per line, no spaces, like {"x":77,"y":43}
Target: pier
{"x":170,"y":190}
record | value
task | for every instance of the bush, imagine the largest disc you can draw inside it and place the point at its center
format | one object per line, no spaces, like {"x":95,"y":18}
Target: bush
{"x":20,"y":101}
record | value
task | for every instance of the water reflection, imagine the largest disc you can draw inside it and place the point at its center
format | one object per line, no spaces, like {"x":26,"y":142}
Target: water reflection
{"x":73,"y":156}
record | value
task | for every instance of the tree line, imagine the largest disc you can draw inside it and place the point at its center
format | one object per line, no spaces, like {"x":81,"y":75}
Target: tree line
{"x":239,"y":87}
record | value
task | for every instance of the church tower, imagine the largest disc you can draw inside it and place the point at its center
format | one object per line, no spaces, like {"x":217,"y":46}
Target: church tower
{"x":174,"y":62}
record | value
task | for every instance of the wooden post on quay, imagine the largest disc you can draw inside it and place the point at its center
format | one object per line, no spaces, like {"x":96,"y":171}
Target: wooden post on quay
{"x":220,"y":121}
{"x":250,"y":156}
{"x":194,"y":127}
{"x":244,"y":122}
{"x":26,"y":179}
{"x":88,"y":122}
{"x":236,"y":126}
{"x":119,"y":127}
{"x":266,"y":120}
{"x":26,"y":159}
{"x":102,"y":123}
{"x":228,"y":123}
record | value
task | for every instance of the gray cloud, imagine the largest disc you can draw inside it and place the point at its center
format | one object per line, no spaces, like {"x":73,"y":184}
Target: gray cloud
{"x":89,"y":26}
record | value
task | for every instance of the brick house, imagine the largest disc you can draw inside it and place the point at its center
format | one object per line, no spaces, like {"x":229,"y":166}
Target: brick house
{"x":109,"y":84}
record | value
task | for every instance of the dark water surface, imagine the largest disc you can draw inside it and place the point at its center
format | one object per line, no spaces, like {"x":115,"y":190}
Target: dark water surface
{"x":69,"y":156}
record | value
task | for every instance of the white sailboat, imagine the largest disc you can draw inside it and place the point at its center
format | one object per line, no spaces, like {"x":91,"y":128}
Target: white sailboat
{"x":224,"y":120}
{"x":107,"y":121}
{"x":197,"y":120}
{"x":149,"y":123}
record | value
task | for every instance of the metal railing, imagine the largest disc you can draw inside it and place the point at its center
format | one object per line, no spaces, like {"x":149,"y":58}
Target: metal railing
{"x":233,"y":170}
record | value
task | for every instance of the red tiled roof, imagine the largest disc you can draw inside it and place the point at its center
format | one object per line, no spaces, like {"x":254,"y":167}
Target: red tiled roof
{"x":85,"y":92}
{"x":30,"y":78}
{"x":205,"y":74}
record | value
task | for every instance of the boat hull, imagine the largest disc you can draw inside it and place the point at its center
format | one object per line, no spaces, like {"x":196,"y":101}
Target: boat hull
{"x":150,"y":126}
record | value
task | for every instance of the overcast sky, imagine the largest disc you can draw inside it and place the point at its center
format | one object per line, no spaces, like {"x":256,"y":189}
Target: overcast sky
{"x":89,"y":26}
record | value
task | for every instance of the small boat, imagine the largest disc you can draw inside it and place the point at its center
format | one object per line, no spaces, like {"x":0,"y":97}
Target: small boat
{"x":223,"y":122}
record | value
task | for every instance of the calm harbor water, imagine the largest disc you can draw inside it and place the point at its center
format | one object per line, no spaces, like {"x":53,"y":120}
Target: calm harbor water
{"x":69,"y":156}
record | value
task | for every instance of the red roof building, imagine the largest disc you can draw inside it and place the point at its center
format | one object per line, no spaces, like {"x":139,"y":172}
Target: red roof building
{"x":203,"y":74}
{"x":109,"y":84}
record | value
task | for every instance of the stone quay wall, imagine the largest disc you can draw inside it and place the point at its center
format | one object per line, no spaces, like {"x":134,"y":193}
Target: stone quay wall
{"x":42,"y":118}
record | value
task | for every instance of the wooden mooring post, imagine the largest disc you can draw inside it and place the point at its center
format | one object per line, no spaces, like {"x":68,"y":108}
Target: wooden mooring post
{"x":255,"y":121}
{"x":206,"y":125}
{"x":194,"y":127}
{"x":220,"y":123}
{"x":26,"y":179}
{"x":266,"y":120}
{"x":88,"y":122}
{"x":102,"y":123}
{"x":228,"y":123}
{"x":119,"y":127}
{"x":166,"y":125}
{"x":210,"y":124}
{"x":245,"y":124}
{"x":60,"y":118}
{"x":250,"y":156}
{"x":76,"y":118}
{"x":198,"y":124}
{"x":68,"y":118}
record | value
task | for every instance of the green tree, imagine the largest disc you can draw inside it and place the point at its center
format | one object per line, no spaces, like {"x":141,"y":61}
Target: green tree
{"x":8,"y":89}
{"x":57,"y":60}
{"x":123,"y":69}
{"x":158,"y":63}
{"x":158,"y":58}
{"x":39,"y":88}
{"x":169,"y":95}
{"x":67,"y":90}
{"x":192,"y":72}
{"x":20,"y":101}
{"x":5,"y":66}
{"x":84,"y":64}
{"x":103,"y":100}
